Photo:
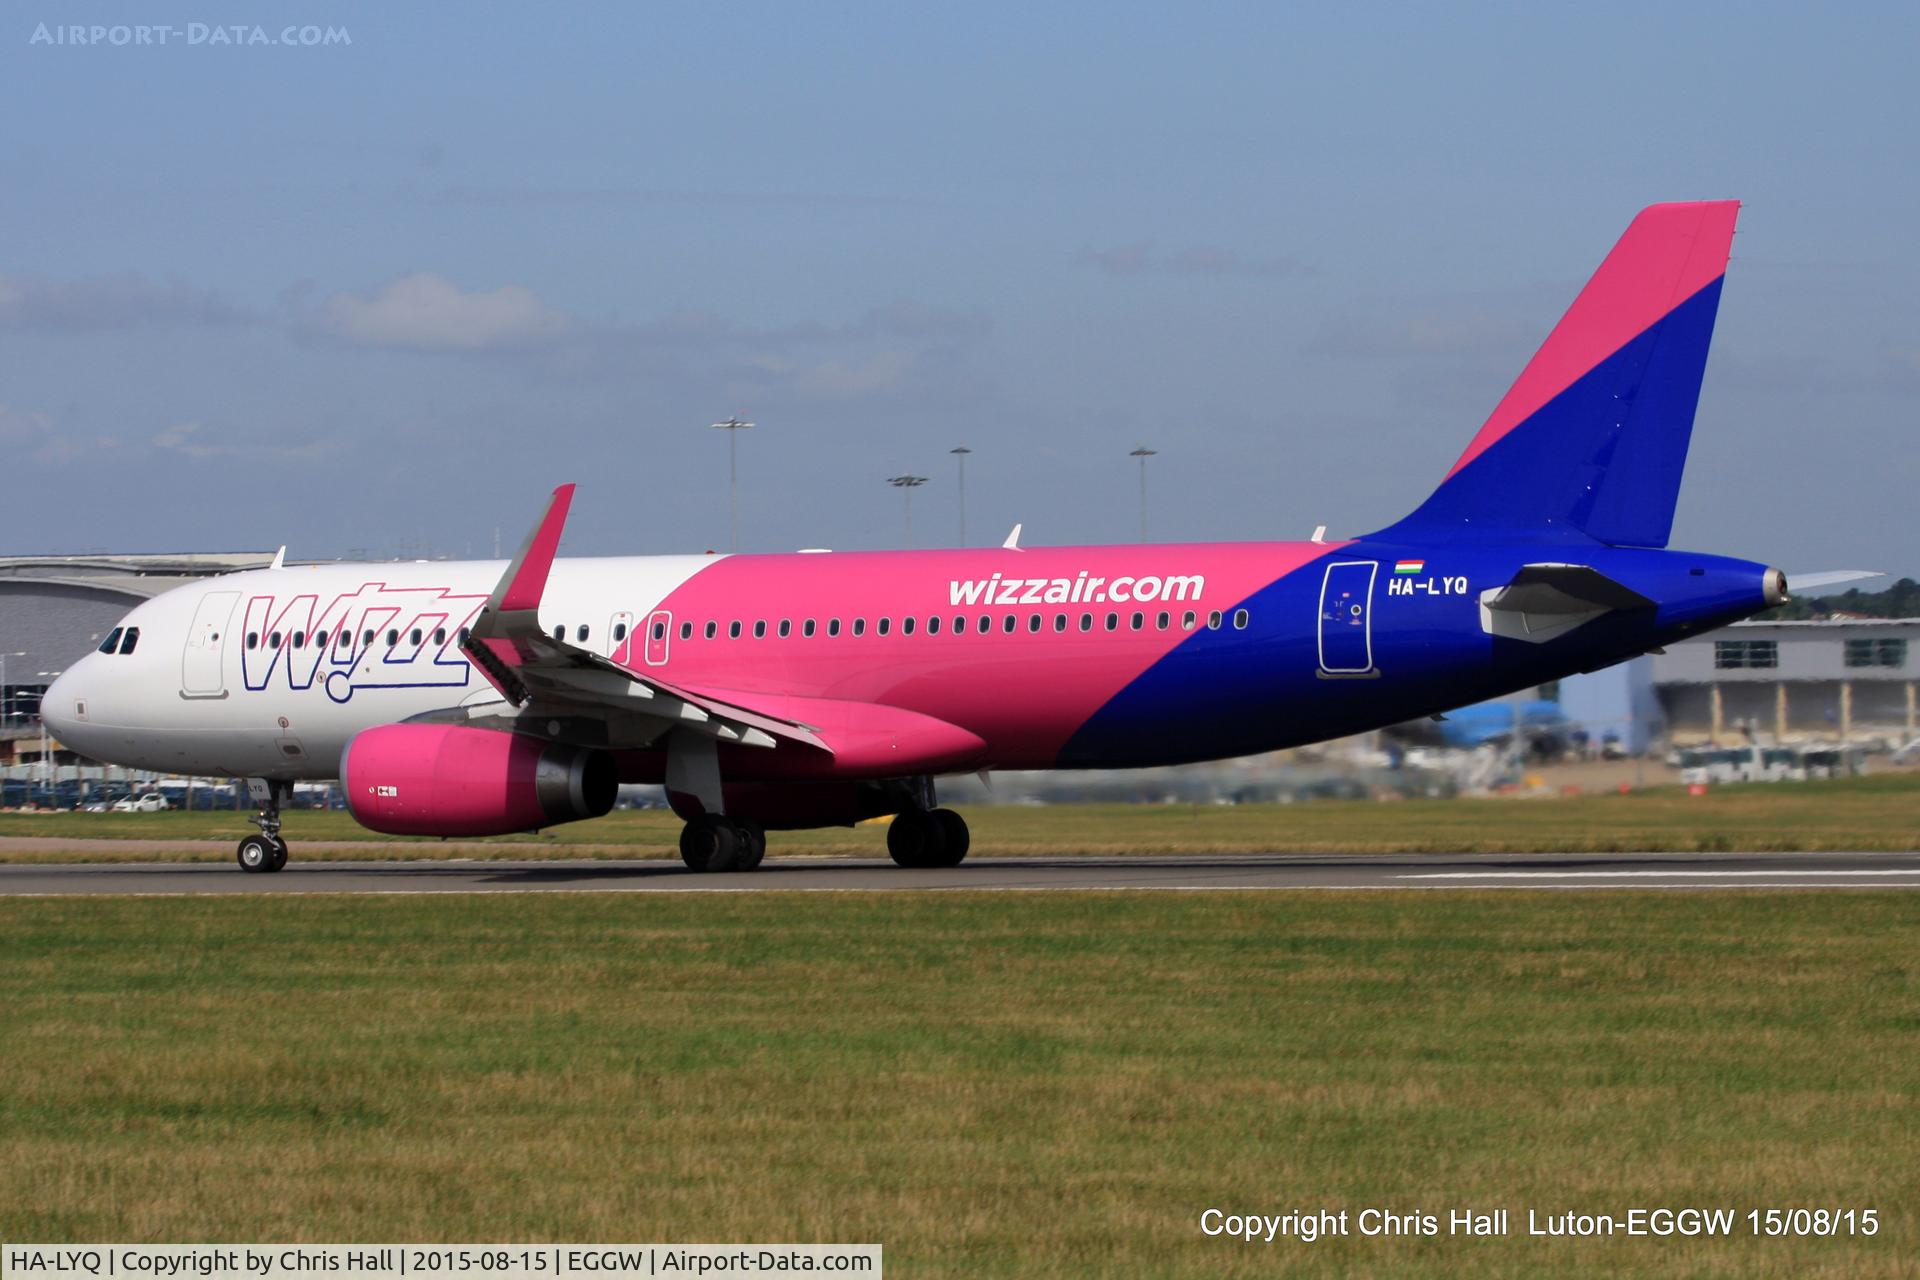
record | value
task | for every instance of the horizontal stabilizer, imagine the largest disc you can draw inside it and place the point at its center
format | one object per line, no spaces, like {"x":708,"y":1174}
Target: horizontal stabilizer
{"x":1830,"y":578}
{"x":1548,"y":600}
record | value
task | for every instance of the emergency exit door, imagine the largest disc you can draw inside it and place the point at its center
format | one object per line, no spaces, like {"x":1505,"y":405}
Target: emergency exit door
{"x":1346,"y":618}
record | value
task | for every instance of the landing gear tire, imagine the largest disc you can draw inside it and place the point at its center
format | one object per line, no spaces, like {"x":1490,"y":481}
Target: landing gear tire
{"x":279,"y":854}
{"x":954,"y":836}
{"x":916,"y":838}
{"x":714,"y":843}
{"x":753,"y":838}
{"x":259,"y":854}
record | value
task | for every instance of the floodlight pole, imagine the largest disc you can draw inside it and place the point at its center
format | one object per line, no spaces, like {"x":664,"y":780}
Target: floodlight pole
{"x":960,"y":454}
{"x":906,"y":485}
{"x":733,"y":426}
{"x":1143,"y":453}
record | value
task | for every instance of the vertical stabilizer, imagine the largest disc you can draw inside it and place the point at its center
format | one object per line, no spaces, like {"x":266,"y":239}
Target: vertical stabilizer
{"x":1592,"y":438}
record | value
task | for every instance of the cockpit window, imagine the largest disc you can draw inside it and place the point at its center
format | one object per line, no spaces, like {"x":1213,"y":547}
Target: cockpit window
{"x":129,"y":640}
{"x":112,"y":641}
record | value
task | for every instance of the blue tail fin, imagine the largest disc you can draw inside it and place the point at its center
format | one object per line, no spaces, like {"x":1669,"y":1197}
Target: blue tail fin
{"x":1592,"y":438}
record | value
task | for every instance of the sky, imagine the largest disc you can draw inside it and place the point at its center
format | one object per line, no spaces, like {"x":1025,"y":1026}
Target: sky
{"x":376,"y":295}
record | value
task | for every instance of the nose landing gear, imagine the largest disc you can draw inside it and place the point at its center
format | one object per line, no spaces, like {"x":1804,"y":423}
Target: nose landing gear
{"x":266,"y":851}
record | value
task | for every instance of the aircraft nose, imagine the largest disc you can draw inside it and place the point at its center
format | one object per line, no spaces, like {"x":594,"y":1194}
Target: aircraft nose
{"x":60,"y":705}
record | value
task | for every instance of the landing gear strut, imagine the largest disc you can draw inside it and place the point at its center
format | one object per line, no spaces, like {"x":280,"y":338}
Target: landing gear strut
{"x":928,"y":838}
{"x":712,"y":842}
{"x":266,"y":851}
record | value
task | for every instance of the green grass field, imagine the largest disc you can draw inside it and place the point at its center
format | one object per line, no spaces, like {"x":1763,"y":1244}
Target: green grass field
{"x":989,"y":1084}
{"x":1871,"y":813}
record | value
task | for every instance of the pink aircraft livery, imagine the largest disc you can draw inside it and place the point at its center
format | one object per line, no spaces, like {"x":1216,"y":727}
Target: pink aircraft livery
{"x":785,"y":691}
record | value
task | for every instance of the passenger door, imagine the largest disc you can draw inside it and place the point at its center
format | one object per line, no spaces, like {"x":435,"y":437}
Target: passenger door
{"x":202,"y":673}
{"x":1346,"y":622}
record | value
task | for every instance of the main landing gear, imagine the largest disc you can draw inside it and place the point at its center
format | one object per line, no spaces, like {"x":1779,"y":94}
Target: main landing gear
{"x":714,"y":843}
{"x":266,"y":851}
{"x":928,"y":838}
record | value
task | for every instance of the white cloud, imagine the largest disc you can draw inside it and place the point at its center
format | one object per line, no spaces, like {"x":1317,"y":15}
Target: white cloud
{"x":426,"y":312}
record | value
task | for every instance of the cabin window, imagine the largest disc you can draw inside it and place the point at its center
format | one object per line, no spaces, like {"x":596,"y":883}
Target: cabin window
{"x":1033,"y":623}
{"x":439,"y":635}
{"x":1160,"y":621}
{"x":959,"y":624}
{"x":273,"y":641}
{"x":112,"y":641}
{"x":1113,"y":622}
{"x":733,"y":629}
{"x":619,"y":632}
{"x":580,"y":633}
{"x":1059,"y":622}
{"x":1137,"y":621}
{"x":760,"y":629}
{"x":560,"y":632}
{"x":366,"y":637}
{"x":686,"y":631}
{"x":713,"y":629}
{"x":986,"y":624}
{"x":253,"y":640}
{"x":833,"y":626}
{"x":319,"y":639}
{"x":129,"y":640}
{"x":883,"y":625}
{"x":1086,"y":621}
{"x":393,"y":638}
{"x":1011,"y":623}
{"x":342,"y":640}
{"x":465,"y":635}
{"x":659,"y":631}
{"x":1187,"y":620}
{"x":859,"y":626}
{"x":1239,"y":619}
{"x":786,"y":628}
{"x":299,"y":639}
{"x":806,"y":628}
{"x":906,"y":625}
{"x":415,"y":637}
{"x":933,"y":625}
{"x":1213,"y":620}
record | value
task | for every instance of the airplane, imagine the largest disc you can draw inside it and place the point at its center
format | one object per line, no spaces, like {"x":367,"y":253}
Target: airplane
{"x":770,"y":692}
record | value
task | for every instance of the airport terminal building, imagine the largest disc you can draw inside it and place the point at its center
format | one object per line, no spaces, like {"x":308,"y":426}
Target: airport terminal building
{"x":1842,"y":678}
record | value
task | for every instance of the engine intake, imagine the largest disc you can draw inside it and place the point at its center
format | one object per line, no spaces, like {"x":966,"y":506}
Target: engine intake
{"x":456,"y":780}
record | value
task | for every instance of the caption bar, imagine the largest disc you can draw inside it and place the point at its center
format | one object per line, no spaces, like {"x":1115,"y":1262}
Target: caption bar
{"x":393,"y":1261}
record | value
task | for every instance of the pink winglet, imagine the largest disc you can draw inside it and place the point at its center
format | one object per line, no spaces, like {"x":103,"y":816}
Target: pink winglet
{"x":1669,"y":253}
{"x":528,"y":576}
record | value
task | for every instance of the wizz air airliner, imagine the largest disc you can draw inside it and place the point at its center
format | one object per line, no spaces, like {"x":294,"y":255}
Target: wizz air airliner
{"x":814,"y":689}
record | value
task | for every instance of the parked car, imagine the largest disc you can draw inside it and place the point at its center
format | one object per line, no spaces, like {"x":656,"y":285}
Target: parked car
{"x":151,"y":802}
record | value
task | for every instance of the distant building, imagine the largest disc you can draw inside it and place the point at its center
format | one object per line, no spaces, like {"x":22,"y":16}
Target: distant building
{"x":1838,"y":678}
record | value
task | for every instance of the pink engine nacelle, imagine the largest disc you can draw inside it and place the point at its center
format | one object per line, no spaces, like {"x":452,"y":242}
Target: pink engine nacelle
{"x":456,"y":780}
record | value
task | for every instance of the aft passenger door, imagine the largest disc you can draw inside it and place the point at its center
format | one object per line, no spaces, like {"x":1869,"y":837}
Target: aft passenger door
{"x":201,"y":666}
{"x":1346,"y":621}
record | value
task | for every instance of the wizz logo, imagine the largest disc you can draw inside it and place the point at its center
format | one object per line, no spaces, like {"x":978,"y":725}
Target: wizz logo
{"x":374,"y":637}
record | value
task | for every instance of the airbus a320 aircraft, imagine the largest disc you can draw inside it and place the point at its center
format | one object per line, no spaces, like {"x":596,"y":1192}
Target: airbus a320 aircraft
{"x":805,"y":690}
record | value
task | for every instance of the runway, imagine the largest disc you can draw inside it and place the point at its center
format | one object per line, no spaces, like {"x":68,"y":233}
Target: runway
{"x":1258,"y":871}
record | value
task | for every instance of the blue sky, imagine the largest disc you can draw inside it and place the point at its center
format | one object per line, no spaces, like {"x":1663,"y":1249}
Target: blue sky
{"x":379,"y":296}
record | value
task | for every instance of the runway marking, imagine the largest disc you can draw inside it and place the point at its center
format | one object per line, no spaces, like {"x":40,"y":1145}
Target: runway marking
{"x":1805,"y":873}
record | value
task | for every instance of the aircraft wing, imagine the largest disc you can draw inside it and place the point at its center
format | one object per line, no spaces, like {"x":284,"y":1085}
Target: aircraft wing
{"x":1548,"y":600}
{"x":582,"y":695}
